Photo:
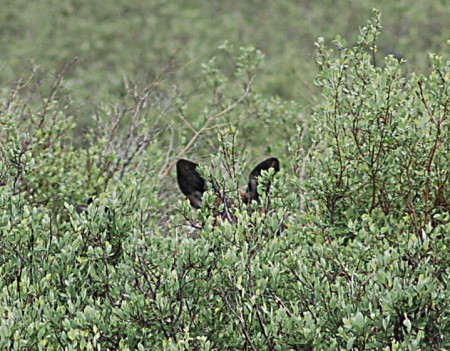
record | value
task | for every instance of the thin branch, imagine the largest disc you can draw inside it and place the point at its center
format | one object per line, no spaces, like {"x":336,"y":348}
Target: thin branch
{"x":206,"y":127}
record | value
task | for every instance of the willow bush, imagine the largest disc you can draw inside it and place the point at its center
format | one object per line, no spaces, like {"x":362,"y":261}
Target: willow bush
{"x":347,"y":248}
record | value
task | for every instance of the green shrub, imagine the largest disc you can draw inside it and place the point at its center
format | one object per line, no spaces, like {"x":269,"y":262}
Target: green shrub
{"x":362,"y":262}
{"x":384,"y":135}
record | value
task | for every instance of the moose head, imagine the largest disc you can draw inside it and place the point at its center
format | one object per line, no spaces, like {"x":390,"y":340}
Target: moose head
{"x":83,"y":208}
{"x":193,"y":185}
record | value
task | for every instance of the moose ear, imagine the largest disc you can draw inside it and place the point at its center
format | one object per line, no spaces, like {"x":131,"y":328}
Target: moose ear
{"x":190,"y":182}
{"x":252,"y":189}
{"x":84,"y":208}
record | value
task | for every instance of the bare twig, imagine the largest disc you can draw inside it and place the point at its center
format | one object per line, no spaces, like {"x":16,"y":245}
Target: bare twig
{"x":206,"y":127}
{"x":55,"y":87}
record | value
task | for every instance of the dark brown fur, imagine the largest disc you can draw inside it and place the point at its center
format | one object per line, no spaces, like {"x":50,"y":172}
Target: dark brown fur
{"x":193,"y":185}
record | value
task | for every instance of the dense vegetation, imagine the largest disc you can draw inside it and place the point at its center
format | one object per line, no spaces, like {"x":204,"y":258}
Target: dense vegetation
{"x":363,"y":194}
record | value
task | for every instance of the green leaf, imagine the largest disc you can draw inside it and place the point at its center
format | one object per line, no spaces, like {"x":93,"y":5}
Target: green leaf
{"x":350,"y":342}
{"x":72,"y":334}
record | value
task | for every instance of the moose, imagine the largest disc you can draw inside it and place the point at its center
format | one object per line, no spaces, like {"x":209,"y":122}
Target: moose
{"x":192,"y":185}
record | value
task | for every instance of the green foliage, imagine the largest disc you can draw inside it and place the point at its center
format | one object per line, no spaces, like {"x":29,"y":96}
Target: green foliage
{"x":385,"y":145}
{"x":143,"y":39}
{"x":346,"y":249}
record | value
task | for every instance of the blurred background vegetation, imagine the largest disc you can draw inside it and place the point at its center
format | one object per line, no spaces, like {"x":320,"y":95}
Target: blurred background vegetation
{"x":145,"y":40}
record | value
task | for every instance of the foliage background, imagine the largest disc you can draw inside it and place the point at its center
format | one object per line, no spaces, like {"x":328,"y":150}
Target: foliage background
{"x":99,"y":99}
{"x":140,"y":40}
